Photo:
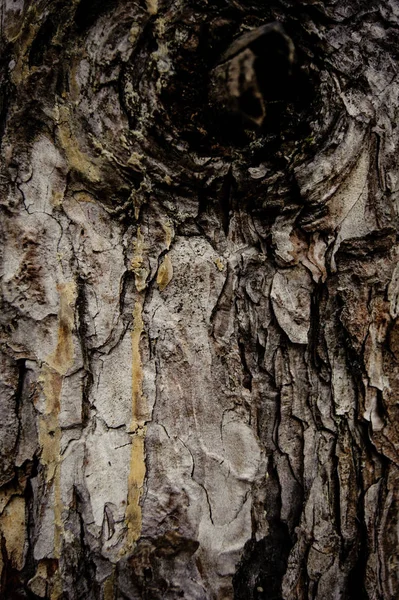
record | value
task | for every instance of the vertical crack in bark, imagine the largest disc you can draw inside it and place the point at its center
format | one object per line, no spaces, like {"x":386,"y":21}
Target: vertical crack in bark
{"x":82,"y":306}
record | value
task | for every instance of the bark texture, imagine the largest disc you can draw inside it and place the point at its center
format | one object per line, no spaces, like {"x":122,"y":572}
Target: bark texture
{"x":200,"y":300}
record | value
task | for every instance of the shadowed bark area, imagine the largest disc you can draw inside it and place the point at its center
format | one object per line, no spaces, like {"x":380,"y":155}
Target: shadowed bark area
{"x":199,"y":300}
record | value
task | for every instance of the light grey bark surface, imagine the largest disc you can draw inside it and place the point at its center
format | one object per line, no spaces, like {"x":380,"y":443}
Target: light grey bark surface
{"x":200,"y":294}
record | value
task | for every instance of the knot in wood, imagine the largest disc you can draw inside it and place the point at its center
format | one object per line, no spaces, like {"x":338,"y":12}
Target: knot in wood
{"x":254,"y":71}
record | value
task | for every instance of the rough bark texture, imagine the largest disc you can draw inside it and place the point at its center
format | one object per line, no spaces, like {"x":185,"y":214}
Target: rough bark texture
{"x":200,"y":299}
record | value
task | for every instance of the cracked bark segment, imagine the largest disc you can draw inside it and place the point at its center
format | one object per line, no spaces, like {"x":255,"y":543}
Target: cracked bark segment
{"x":290,"y":296}
{"x":208,"y":456}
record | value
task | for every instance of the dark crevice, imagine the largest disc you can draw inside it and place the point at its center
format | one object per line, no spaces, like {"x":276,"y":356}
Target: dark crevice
{"x":30,"y":565}
{"x":357,"y":576}
{"x":82,"y":312}
{"x":222,"y":307}
{"x":225,"y":200}
{"x":317,"y":342}
{"x":84,"y":575}
{"x":260,"y":353}
{"x":41,"y":42}
{"x":247,"y":378}
{"x":89,"y":11}
{"x":5,"y":96}
{"x":335,"y":489}
{"x":263,"y":565}
{"x":19,"y":398}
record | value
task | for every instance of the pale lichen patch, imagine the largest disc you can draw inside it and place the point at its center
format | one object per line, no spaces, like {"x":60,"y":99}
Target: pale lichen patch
{"x":136,"y":160}
{"x":77,"y":159}
{"x":56,"y":198}
{"x":219,"y":263}
{"x":152,"y":7}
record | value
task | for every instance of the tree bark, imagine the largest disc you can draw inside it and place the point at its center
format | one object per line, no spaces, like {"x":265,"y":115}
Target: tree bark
{"x":200,"y":300}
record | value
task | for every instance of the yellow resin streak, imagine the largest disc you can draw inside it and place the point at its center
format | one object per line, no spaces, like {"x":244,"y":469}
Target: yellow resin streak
{"x":139,"y":418}
{"x":165,"y":273}
{"x":54,"y":369}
